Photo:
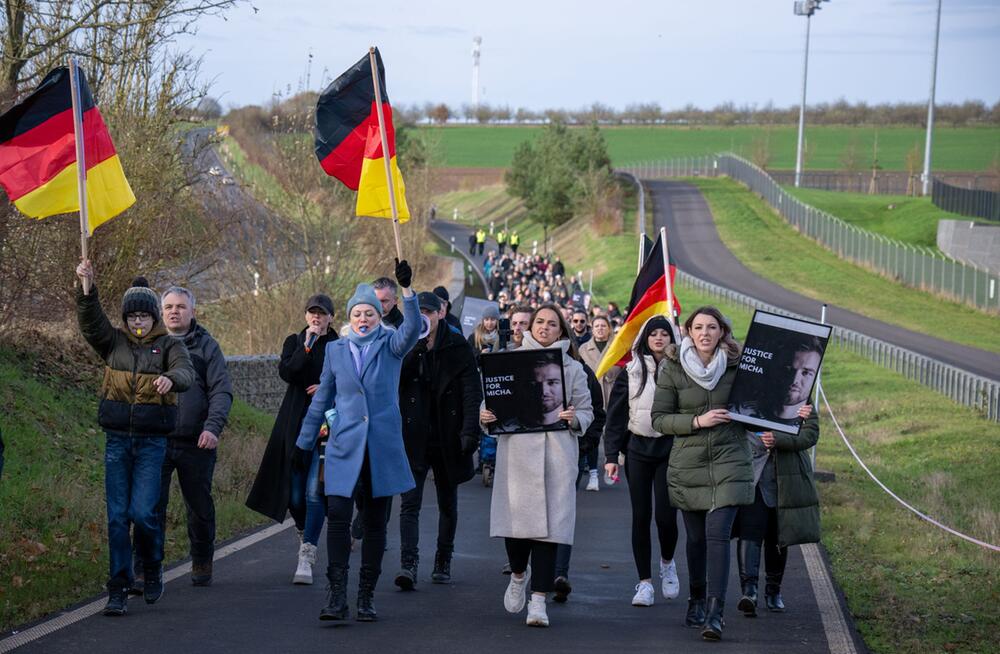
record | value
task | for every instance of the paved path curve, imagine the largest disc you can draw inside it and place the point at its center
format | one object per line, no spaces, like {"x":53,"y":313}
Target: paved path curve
{"x":697,"y":249}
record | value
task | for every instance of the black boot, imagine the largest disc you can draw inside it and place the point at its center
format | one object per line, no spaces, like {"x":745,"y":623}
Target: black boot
{"x":442,"y":568}
{"x":117,"y":601}
{"x":772,"y":594}
{"x":748,"y":558}
{"x":366,"y":591}
{"x":713,"y":620}
{"x":695,"y":617}
{"x":152,"y":587}
{"x":406,"y":578}
{"x":774,"y":559}
{"x":336,"y":599}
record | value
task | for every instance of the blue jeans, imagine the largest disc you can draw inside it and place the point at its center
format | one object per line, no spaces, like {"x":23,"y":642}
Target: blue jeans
{"x":305,"y":490}
{"x":132,"y":490}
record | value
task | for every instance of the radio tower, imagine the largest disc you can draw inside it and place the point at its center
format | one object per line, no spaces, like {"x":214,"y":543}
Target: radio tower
{"x":476,"y":42}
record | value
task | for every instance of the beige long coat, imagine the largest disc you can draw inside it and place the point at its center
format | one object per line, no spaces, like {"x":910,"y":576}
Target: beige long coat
{"x":592,"y":357}
{"x":534,"y":484}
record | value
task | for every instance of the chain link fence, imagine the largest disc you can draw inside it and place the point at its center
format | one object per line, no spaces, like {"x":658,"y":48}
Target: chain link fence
{"x":920,"y":267}
{"x":966,"y":202}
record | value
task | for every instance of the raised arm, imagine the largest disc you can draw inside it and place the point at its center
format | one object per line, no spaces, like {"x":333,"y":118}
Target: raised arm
{"x":94,"y":325}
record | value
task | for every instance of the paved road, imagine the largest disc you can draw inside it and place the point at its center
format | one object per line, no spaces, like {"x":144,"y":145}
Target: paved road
{"x":696,"y":248}
{"x":252,"y":607}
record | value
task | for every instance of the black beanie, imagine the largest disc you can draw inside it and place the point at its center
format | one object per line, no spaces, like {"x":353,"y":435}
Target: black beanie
{"x":141,"y":298}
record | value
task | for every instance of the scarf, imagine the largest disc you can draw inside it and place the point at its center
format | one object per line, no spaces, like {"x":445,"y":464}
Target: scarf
{"x":705,"y":376}
{"x":359,"y":345}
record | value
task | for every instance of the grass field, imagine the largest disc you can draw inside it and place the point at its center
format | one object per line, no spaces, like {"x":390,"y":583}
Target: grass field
{"x":954,"y":148}
{"x":803,"y":266}
{"x":908,"y":219}
{"x":53,"y":544}
{"x":911,"y":587}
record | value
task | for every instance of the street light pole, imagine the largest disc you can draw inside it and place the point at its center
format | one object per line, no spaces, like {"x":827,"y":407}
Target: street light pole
{"x":926,"y":177}
{"x":804,"y":8}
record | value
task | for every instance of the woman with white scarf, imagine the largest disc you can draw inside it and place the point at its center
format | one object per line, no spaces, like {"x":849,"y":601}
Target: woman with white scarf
{"x":710,"y":474}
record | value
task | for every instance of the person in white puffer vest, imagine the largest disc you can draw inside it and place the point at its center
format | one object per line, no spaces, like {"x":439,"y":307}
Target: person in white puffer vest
{"x":629,"y":430}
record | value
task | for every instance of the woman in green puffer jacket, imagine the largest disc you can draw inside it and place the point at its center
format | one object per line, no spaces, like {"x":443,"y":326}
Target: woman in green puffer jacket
{"x":710,"y":475}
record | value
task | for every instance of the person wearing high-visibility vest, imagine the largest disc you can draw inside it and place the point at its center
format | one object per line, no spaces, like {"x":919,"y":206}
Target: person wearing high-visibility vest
{"x":515,"y":240}
{"x":481,"y":240}
{"x":501,"y":240}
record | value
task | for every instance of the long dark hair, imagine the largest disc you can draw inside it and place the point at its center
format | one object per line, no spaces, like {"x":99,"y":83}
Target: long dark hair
{"x":727,"y":341}
{"x":563,"y":325}
{"x":654,"y":323}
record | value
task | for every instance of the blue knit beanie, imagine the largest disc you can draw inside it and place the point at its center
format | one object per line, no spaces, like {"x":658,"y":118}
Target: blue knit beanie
{"x":364,"y":294}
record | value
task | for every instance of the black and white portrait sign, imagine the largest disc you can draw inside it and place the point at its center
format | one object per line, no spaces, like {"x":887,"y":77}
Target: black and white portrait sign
{"x":777,"y":371}
{"x":525,"y":390}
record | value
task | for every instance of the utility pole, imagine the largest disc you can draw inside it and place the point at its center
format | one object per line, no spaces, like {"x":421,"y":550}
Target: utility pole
{"x":476,"y":43}
{"x":928,"y":142}
{"x":804,"y":8}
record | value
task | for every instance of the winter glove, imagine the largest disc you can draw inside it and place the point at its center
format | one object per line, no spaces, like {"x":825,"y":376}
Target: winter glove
{"x":301,"y":459}
{"x":404,"y":275}
{"x":469,"y":445}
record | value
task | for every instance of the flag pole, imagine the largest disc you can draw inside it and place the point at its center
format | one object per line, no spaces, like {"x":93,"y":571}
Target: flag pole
{"x":642,"y":253}
{"x":81,"y":164}
{"x":667,"y":280}
{"x":385,"y":152}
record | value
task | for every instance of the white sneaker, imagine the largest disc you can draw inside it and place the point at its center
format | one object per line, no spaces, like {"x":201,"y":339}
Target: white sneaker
{"x":593,"y":484}
{"x":304,"y":571}
{"x":644,"y":594}
{"x":671,"y":585}
{"x":537,"y":617}
{"x":514,"y":598}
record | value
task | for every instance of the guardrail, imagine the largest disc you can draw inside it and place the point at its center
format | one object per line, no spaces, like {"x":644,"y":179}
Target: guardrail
{"x":914,"y":266}
{"x":963,"y":387}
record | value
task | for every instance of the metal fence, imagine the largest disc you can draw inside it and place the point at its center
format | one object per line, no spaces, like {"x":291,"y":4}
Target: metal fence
{"x":970,"y":390}
{"x":966,"y":202}
{"x":916,"y":266}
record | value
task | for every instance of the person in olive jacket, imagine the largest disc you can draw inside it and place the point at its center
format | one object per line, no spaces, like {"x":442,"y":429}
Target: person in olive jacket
{"x":145,"y":369}
{"x":439,"y":396}
{"x":709,"y":475}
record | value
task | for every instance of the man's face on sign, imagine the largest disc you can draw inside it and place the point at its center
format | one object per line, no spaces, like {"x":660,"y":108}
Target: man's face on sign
{"x":548,"y":383}
{"x":802,"y":373}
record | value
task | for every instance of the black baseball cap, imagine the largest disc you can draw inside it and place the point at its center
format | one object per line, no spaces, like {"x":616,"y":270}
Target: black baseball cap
{"x":320,"y":301}
{"x":429,"y":301}
{"x":442,"y":293}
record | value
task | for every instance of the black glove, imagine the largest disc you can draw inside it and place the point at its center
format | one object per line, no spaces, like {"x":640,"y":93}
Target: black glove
{"x":469,"y":445}
{"x":301,"y":459}
{"x":404,"y":275}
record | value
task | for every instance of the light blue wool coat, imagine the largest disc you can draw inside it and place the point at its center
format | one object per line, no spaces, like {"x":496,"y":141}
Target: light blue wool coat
{"x":367,"y":411}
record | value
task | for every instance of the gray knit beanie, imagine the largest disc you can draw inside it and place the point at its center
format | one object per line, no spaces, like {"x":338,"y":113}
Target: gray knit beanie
{"x":141,"y":298}
{"x":364,"y":294}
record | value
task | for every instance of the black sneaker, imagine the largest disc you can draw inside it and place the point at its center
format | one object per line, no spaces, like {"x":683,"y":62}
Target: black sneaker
{"x":152,"y":589}
{"x":138,"y":583}
{"x":442,"y":568}
{"x":201,"y":574}
{"x":562,"y":589}
{"x":117,"y":602}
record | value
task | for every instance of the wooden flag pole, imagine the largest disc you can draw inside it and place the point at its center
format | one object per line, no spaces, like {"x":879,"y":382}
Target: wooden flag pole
{"x":667,"y":280}
{"x":81,"y":163}
{"x":385,"y":152}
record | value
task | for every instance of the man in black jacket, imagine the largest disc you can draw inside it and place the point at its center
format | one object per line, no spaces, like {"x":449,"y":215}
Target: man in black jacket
{"x":202,"y":412}
{"x":387,"y":294}
{"x":439,"y":397}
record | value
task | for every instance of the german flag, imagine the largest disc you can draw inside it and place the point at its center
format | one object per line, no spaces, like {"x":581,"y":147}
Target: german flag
{"x":38,"y":166}
{"x":649,"y":298}
{"x":348,"y":143}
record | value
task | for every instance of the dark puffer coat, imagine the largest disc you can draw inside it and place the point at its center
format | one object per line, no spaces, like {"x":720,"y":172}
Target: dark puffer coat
{"x":798,"y":501}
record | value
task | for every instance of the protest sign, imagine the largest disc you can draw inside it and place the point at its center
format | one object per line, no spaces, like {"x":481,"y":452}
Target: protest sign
{"x":525,"y":390}
{"x":777,"y":371}
{"x":472,"y":313}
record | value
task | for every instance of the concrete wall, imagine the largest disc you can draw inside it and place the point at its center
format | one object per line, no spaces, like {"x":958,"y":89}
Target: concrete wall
{"x":976,"y":243}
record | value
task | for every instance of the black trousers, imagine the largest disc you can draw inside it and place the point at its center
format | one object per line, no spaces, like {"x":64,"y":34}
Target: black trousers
{"x":195,"y":467}
{"x":708,"y":536}
{"x":338,"y":530}
{"x":411,"y":501}
{"x":543,"y":561}
{"x":758,"y":522}
{"x":647,"y":482}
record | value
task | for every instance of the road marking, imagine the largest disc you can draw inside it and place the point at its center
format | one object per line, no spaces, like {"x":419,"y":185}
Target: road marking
{"x":838,"y":634}
{"x":66,"y":619}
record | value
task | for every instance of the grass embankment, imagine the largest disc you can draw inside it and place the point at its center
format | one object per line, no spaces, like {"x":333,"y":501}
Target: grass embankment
{"x":963,"y":148}
{"x":908,"y":219}
{"x":911,"y":587}
{"x":745,"y":222}
{"x":53,"y":541}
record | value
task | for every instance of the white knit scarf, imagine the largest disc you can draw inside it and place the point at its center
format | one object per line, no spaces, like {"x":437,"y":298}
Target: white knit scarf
{"x":705,"y":376}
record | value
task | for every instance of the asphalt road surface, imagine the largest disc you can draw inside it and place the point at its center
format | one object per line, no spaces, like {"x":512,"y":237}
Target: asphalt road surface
{"x":696,"y":248}
{"x":253,"y":607}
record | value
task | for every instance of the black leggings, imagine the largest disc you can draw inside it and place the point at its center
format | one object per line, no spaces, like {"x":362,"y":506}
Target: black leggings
{"x":708,"y":534}
{"x":338,"y":530}
{"x":648,"y":481}
{"x":543,"y":561}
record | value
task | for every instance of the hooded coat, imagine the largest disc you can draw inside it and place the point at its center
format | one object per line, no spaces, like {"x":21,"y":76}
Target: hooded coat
{"x":534,"y":483}
{"x":368,"y":418}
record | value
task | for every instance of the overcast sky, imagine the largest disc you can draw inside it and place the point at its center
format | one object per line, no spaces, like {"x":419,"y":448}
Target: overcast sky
{"x":562,"y":53}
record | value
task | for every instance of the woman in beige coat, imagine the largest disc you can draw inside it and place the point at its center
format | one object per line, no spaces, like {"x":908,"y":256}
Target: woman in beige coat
{"x":591,"y":352}
{"x":534,"y":488}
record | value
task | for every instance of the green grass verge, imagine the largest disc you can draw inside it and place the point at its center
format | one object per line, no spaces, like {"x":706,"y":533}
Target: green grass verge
{"x":799,"y":264}
{"x":954,"y":148}
{"x":53,"y":543}
{"x":908,"y":219}
{"x":911,"y":587}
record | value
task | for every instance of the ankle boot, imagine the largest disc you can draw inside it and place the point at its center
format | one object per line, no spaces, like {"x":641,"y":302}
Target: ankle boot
{"x":713,"y":620}
{"x":442,"y":568}
{"x":695,"y":617}
{"x":366,"y":592}
{"x":406,"y":578}
{"x":336,"y":599}
{"x":748,"y":558}
{"x":772,"y":594}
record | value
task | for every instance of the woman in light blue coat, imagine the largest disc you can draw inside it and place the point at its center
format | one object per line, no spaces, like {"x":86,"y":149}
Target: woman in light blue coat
{"x":365,"y":459}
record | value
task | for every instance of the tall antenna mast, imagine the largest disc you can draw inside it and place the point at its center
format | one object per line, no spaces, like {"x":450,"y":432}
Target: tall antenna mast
{"x":476,"y":43}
